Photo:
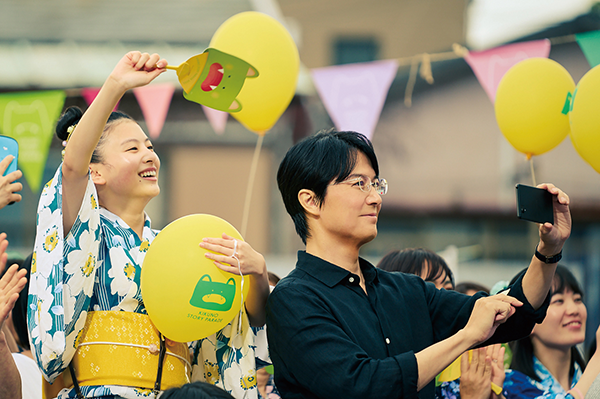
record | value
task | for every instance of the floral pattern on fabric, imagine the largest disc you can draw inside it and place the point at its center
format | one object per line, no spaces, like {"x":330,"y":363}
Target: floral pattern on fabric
{"x":448,"y":389}
{"x":97,"y":266}
{"x":518,"y":385}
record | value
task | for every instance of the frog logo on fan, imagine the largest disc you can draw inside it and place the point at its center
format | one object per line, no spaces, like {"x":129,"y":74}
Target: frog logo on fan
{"x":214,"y":79}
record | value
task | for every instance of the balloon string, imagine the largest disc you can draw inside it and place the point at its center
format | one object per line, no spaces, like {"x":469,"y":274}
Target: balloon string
{"x":234,"y":256}
{"x":251,"y":184}
{"x":532,"y":171}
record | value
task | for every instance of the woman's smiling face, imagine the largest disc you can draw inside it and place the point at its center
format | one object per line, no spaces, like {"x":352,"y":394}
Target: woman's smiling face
{"x":564,"y":325}
{"x":129,"y":165}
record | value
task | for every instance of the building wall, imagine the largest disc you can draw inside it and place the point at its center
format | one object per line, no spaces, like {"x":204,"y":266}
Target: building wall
{"x":401,"y":27}
{"x":214,"y":180}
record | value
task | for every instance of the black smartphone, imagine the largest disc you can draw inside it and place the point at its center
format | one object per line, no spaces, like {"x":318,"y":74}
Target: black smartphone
{"x":534,"y":204}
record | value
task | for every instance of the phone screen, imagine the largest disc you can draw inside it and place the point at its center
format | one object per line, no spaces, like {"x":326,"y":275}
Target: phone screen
{"x":9,"y":146}
{"x":534,"y":204}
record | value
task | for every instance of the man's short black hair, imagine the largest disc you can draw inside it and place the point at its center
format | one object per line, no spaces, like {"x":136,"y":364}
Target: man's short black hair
{"x":314,"y":163}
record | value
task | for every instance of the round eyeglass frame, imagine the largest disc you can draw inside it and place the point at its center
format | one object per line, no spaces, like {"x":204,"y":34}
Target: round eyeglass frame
{"x":379,"y":184}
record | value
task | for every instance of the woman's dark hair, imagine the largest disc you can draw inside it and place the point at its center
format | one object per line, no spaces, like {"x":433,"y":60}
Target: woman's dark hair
{"x":196,"y":390}
{"x":315,"y":162}
{"x":466,"y":286}
{"x":413,"y":260}
{"x":71,"y":117}
{"x":522,"y":349}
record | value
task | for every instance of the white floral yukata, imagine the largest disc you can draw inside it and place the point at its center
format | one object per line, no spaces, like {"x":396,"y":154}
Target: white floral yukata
{"x":97,"y":266}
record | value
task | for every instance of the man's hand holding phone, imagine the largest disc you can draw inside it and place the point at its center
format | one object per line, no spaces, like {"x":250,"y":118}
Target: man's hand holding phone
{"x":533,"y":204}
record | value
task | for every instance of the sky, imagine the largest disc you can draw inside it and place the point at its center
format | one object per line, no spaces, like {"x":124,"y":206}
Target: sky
{"x":494,"y":22}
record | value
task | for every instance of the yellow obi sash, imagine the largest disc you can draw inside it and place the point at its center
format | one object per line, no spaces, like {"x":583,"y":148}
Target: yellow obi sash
{"x":122,"y":348}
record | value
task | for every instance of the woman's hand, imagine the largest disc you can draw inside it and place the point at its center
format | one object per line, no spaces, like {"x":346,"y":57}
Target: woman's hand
{"x":486,"y":367}
{"x":137,"y":69}
{"x":8,"y":188}
{"x":235,"y":255}
{"x":11,"y":283}
{"x":238,"y":256}
{"x":553,"y":236}
{"x":496,"y":352}
{"x":475,"y":376}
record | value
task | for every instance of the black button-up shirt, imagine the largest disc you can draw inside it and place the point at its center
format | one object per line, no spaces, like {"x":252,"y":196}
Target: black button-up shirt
{"x":328,"y":339}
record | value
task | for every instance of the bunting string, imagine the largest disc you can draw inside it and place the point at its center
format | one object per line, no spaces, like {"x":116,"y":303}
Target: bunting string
{"x":424,"y":60}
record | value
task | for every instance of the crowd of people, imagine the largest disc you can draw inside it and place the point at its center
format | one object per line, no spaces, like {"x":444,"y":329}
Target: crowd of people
{"x":335,"y":327}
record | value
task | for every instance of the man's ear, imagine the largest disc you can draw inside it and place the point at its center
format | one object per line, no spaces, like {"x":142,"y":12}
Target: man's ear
{"x":308,"y":200}
{"x":97,"y":177}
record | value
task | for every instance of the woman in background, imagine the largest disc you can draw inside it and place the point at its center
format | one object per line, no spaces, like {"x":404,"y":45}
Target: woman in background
{"x":547,"y":364}
{"x":421,"y":262}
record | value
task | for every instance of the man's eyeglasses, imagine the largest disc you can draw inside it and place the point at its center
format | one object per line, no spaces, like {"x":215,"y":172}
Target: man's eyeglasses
{"x":364,"y":183}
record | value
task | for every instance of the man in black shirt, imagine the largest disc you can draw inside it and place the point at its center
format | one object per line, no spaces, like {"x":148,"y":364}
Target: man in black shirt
{"x":340,"y":328}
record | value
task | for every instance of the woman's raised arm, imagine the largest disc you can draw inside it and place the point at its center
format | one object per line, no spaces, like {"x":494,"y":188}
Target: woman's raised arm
{"x":133,"y":70}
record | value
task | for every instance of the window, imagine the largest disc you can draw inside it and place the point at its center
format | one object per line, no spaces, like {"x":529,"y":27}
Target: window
{"x":350,"y":50}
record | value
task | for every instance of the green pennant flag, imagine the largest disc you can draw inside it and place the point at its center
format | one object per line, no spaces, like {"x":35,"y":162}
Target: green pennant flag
{"x":29,"y":118}
{"x":590,"y":45}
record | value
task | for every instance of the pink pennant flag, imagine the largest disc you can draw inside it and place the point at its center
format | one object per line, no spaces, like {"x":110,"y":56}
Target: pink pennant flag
{"x":154,"y":101}
{"x":90,"y":93}
{"x":216,"y":118}
{"x":354,"y":94}
{"x":490,"y":65}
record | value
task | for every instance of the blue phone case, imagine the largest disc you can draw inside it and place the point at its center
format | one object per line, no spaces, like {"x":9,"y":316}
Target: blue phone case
{"x":9,"y":146}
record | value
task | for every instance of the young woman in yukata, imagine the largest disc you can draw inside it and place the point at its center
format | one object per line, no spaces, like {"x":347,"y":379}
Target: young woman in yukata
{"x":547,"y":364}
{"x":87,"y":320}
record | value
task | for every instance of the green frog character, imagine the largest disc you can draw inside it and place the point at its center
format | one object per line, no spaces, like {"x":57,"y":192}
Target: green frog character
{"x":214,"y":79}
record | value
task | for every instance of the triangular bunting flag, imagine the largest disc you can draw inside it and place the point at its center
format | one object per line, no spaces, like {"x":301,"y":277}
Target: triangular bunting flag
{"x":590,"y":45}
{"x":490,"y":65}
{"x":354,"y":94}
{"x":216,"y":118}
{"x":154,"y":101}
{"x":29,"y":118}
{"x":90,"y":93}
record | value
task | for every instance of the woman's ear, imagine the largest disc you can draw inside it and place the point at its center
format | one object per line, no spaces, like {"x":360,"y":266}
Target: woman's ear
{"x":97,"y":176}
{"x":308,"y":200}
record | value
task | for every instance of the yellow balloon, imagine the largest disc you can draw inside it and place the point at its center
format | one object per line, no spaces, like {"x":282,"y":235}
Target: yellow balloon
{"x":187,"y":297}
{"x":585,"y":118}
{"x":532,"y":105}
{"x":264,"y":43}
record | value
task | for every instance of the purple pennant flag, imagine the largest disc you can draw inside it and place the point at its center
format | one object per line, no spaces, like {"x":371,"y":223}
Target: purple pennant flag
{"x":354,"y":94}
